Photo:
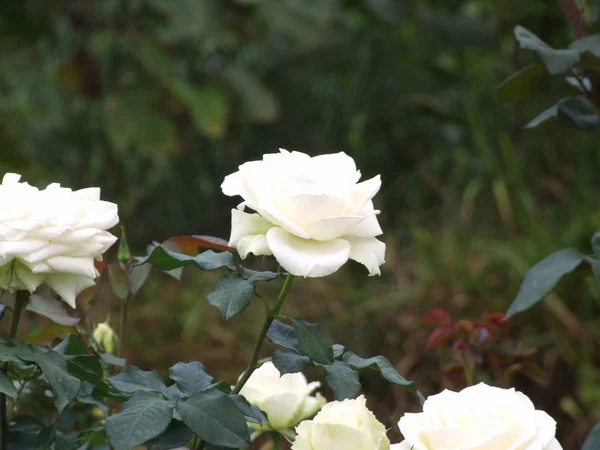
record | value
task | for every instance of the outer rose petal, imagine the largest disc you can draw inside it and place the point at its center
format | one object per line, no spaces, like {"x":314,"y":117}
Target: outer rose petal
{"x":365,"y":191}
{"x":305,"y":257}
{"x":282,"y":410}
{"x":333,"y":436}
{"x":370,"y":252}
{"x":554,"y":445}
{"x":68,"y":286}
{"x":404,"y":445}
{"x":248,"y":233}
{"x":367,"y":228}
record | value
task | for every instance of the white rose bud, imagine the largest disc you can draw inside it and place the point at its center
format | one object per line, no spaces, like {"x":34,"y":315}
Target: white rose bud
{"x":286,"y":399}
{"x":106,"y":337}
{"x":479,"y":417}
{"x":52,"y":236}
{"x":311,"y":213}
{"x":347,"y":425}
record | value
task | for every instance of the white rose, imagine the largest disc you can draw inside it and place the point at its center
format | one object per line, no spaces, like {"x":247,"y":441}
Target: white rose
{"x":346,"y":425}
{"x":286,"y":399}
{"x":52,"y":236}
{"x":313,"y":215}
{"x":479,"y":417}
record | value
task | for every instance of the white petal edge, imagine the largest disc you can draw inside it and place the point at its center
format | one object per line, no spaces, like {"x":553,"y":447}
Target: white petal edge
{"x":554,"y":445}
{"x":248,"y":233}
{"x":306,"y":257}
{"x":404,"y":445}
{"x":369,"y":251}
{"x":68,"y":286}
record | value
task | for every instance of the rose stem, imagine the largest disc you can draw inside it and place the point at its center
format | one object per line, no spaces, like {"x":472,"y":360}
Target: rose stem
{"x":271,"y":314}
{"x":20,"y":299}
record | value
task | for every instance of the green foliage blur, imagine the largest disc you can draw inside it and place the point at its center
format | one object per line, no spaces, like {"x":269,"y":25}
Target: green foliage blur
{"x":156,"y":101}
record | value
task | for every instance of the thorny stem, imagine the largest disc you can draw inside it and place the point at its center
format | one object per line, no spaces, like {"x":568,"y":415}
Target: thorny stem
{"x":271,"y":315}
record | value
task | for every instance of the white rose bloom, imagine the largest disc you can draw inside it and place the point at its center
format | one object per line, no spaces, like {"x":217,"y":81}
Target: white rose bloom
{"x":346,"y":425}
{"x":312,"y":214}
{"x":52,"y":236}
{"x":479,"y":417}
{"x":286,"y":399}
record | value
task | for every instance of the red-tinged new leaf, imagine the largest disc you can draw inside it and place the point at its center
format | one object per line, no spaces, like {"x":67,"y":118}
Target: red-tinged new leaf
{"x":498,"y":320}
{"x":190,"y":245}
{"x":467,"y":326}
{"x":100,"y":266}
{"x":439,"y":337}
{"x":437,"y":317}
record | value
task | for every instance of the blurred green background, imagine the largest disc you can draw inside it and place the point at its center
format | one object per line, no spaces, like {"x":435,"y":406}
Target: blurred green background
{"x":156,"y":101}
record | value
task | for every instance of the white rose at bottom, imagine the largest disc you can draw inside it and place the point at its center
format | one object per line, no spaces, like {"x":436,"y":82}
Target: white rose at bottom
{"x":480,"y":417}
{"x":285,"y":398}
{"x":346,"y":425}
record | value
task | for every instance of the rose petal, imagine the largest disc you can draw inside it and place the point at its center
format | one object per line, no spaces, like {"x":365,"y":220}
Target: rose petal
{"x":367,"y":228}
{"x":248,"y":233}
{"x":333,"y":228}
{"x":404,"y":445}
{"x":307,"y":258}
{"x":370,"y":252}
{"x":364,"y":192}
{"x":330,"y":436}
{"x":554,"y":445}
{"x":68,"y":286}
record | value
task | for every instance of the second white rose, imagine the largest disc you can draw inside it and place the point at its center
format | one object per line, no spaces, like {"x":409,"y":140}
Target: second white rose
{"x":285,"y":398}
{"x":346,"y":425}
{"x":312,"y":214}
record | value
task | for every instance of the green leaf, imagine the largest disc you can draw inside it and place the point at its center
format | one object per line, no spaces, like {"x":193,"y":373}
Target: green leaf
{"x":134,"y":122}
{"x":86,"y":368}
{"x":208,"y":107}
{"x":118,"y":281}
{"x":215,"y":417}
{"x":138,"y":275}
{"x":251,"y":413}
{"x":578,"y":112}
{"x":51,"y":308}
{"x":288,"y":362}
{"x":338,"y":350}
{"x":258,"y":103}
{"x":64,"y":441}
{"x":543,"y":117}
{"x":254,"y":275}
{"x":164,"y":259}
{"x":232,"y":295}
{"x":54,"y":367}
{"x":556,"y":61}
{"x":46,"y":436}
{"x":381,"y":364}
{"x":7,"y":386}
{"x":284,"y":336}
{"x":71,"y":345}
{"x":190,"y":377}
{"x":143,"y":417}
{"x":132,"y":380}
{"x":314,"y":341}
{"x":542,"y":277}
{"x":112,"y":360}
{"x":595,"y":242}
{"x":523,"y":83}
{"x":592,"y":441}
{"x":177,"y":434}
{"x":343,"y":380}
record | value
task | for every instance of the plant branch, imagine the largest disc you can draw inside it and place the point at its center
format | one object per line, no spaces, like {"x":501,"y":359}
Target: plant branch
{"x":271,"y":314}
{"x":20,"y":300}
{"x":575,"y":17}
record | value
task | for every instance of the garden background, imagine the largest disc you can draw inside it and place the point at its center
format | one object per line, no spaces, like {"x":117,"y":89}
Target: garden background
{"x":157,"y":101}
